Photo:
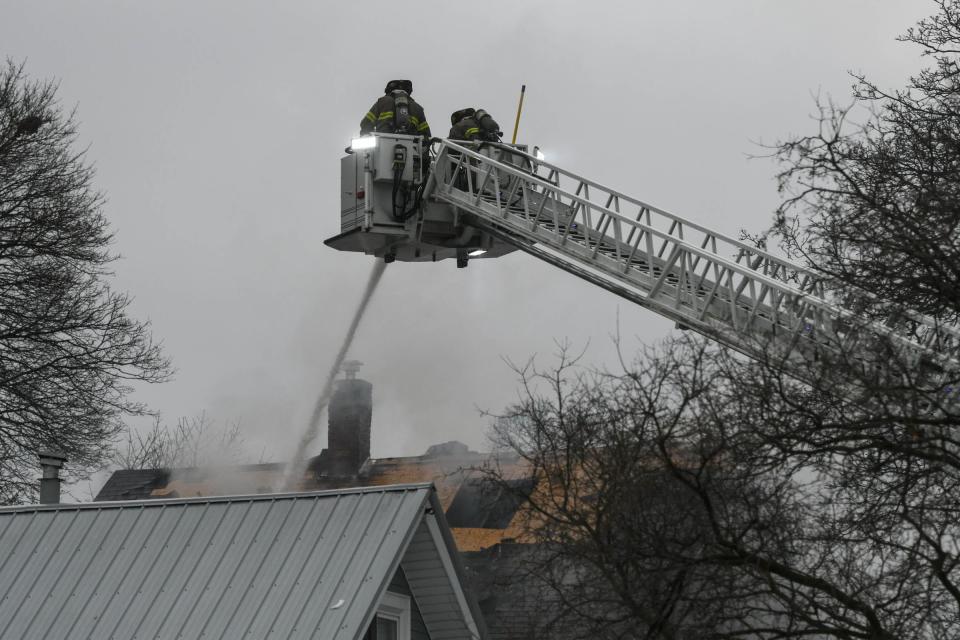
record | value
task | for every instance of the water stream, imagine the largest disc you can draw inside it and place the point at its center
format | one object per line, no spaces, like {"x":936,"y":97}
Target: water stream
{"x":295,"y":468}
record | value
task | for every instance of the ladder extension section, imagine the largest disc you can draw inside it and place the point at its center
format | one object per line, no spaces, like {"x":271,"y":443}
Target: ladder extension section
{"x":746,"y":298}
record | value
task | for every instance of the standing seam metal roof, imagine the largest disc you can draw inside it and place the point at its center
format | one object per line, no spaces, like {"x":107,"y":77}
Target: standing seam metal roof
{"x":265,"y":566}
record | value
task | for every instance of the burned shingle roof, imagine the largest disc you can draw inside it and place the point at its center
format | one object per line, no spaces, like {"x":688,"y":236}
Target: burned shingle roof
{"x":132,"y":484}
{"x":484,"y":503}
{"x":479,"y":518}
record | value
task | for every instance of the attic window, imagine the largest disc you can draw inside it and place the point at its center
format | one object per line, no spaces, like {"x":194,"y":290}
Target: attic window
{"x":392,"y":621}
{"x":386,"y":628}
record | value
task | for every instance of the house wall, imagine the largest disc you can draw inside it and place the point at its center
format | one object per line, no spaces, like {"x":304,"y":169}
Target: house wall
{"x":418,"y":630}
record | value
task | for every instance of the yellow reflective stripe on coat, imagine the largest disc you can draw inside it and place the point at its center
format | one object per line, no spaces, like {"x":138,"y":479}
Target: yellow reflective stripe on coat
{"x":414,"y":120}
{"x":472,"y":131}
{"x":370,"y":116}
{"x":385,"y":115}
{"x":423,"y":126}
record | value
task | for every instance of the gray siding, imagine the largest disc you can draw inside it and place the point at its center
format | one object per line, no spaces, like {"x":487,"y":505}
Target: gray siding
{"x":428,"y":579}
{"x":418,"y":630}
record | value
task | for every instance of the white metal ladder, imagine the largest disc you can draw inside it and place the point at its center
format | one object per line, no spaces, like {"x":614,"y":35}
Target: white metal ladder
{"x":746,"y":298}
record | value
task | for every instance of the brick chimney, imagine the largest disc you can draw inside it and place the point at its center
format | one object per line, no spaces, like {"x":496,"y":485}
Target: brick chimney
{"x":350,"y":413}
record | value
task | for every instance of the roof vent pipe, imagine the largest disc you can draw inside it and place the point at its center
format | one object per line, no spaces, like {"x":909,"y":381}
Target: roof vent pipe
{"x":50,"y":462}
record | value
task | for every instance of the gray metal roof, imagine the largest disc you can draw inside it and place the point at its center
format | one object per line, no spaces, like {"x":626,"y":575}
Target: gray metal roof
{"x":265,"y":566}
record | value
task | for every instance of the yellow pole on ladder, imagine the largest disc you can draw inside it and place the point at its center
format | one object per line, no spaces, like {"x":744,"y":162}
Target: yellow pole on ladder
{"x":516,"y":124}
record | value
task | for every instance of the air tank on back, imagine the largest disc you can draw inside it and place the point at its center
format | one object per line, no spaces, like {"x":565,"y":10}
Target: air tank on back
{"x":386,"y":209}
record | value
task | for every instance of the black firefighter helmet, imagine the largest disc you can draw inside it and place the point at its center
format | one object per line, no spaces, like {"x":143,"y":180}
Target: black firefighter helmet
{"x":459,"y":115}
{"x":403,"y":85}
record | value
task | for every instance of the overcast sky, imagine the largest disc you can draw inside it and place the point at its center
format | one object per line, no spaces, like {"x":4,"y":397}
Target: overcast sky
{"x":217,"y":130}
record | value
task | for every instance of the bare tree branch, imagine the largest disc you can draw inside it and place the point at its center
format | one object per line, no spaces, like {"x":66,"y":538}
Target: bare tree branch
{"x":69,"y":353}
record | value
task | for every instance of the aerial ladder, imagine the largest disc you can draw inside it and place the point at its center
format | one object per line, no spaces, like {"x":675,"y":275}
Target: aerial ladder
{"x":483,"y":200}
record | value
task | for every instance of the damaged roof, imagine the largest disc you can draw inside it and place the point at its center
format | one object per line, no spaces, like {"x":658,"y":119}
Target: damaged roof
{"x":479,"y":513}
{"x":133,"y":484}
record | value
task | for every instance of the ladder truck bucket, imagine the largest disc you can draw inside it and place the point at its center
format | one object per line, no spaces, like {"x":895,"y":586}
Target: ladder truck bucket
{"x":387,"y":209}
{"x":488,"y":199}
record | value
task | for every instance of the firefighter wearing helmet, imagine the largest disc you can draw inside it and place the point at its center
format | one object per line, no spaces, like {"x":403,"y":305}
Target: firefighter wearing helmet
{"x":396,"y":112}
{"x":474,"y":124}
